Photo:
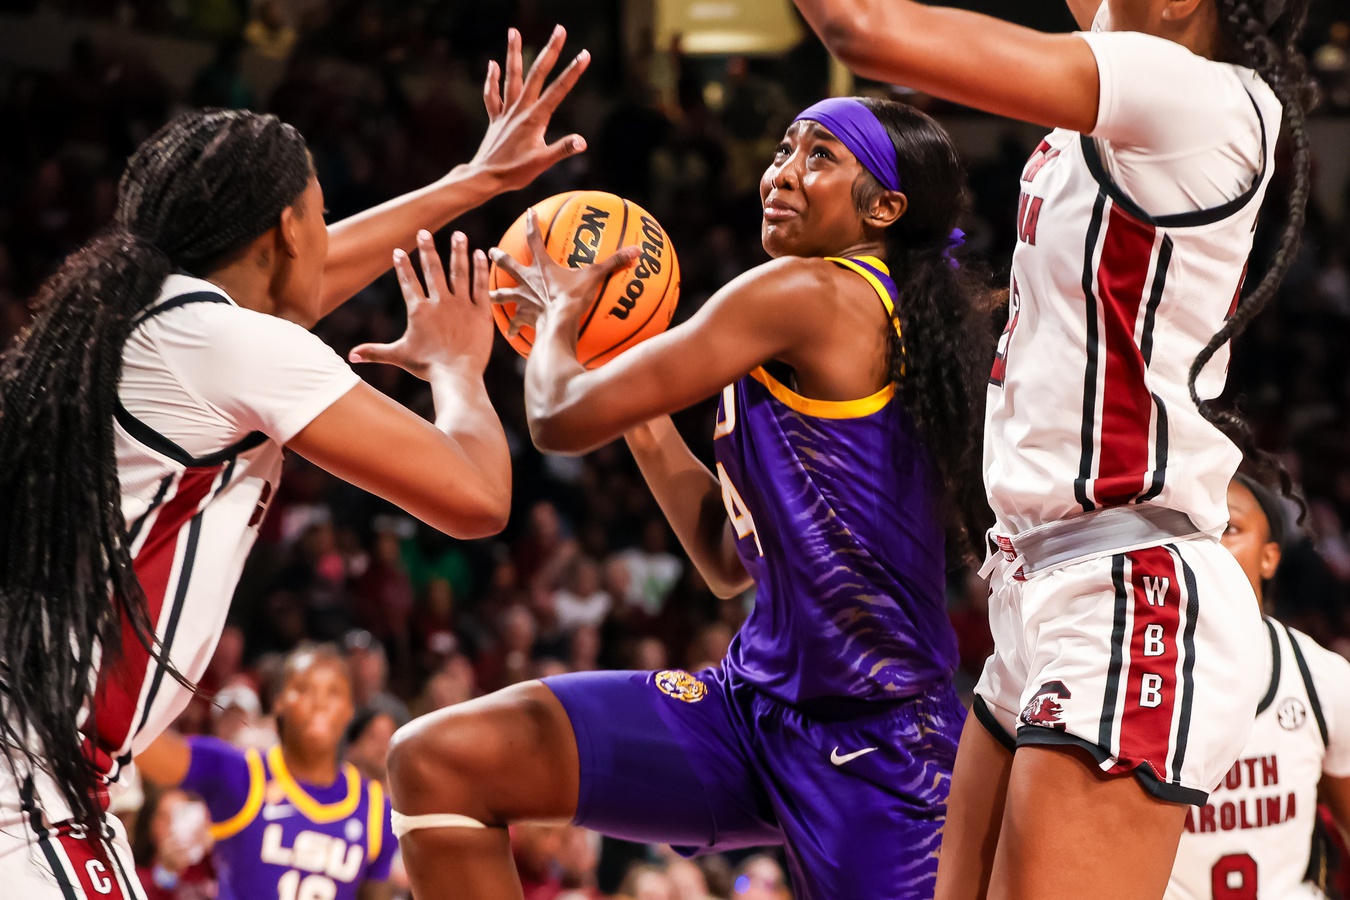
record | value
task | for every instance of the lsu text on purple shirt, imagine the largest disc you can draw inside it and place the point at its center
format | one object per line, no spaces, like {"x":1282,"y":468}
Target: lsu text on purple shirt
{"x":281,"y":839}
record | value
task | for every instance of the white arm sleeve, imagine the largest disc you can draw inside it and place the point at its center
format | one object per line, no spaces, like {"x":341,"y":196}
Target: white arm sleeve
{"x":1158,"y":96}
{"x":1331,"y":676}
{"x":1175,"y":131}
{"x":262,"y":373}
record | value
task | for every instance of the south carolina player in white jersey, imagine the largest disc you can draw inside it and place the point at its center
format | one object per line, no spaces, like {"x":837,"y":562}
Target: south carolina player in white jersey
{"x":1122,"y":628}
{"x":1254,"y":838}
{"x":143,"y":419}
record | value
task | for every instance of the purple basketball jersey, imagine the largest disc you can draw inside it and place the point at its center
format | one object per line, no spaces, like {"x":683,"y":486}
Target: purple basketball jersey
{"x":279,"y":838}
{"x":837,"y":508}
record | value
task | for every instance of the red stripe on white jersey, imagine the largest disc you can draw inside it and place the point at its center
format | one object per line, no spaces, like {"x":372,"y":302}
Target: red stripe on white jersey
{"x":94,"y":874}
{"x":1127,"y":405}
{"x":1152,"y":654}
{"x":122,"y":681}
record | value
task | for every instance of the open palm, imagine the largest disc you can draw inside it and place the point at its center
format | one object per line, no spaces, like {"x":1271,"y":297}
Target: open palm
{"x":519,"y":108}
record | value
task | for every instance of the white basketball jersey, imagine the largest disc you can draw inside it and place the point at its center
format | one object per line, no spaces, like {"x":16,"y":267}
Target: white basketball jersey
{"x":1110,"y":303}
{"x":1253,"y":838}
{"x":210,"y":392}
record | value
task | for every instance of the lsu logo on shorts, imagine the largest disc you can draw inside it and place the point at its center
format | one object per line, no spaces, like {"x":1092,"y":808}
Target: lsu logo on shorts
{"x":681,"y":685}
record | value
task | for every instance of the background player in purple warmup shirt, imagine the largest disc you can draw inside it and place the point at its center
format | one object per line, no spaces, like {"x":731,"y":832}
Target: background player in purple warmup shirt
{"x":846,"y":440}
{"x":290,"y":823}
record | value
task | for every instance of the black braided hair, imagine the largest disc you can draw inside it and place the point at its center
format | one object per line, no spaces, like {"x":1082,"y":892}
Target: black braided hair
{"x":940,"y":359}
{"x":1263,"y":35}
{"x":194,"y":196}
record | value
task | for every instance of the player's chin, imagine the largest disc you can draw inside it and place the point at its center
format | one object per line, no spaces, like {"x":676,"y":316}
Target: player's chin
{"x":780,"y":239}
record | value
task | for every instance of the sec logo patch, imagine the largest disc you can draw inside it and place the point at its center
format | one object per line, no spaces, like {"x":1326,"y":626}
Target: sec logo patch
{"x":681,"y":685}
{"x":1291,"y":714}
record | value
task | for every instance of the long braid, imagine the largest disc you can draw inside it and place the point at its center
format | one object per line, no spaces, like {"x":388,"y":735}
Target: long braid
{"x":1269,"y":48}
{"x":193,"y":196}
{"x":940,"y":359}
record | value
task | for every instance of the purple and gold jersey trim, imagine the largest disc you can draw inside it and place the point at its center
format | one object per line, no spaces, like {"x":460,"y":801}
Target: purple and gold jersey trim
{"x":375,"y":816}
{"x":257,"y":782}
{"x":824,"y":409}
{"x":316,"y":812}
{"x":877,"y":275}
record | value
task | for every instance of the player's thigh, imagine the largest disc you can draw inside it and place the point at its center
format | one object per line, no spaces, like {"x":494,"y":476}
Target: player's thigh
{"x":505,"y":757}
{"x":1071,"y":830}
{"x":975,"y":807}
{"x":862,"y":802}
{"x":663,"y":759}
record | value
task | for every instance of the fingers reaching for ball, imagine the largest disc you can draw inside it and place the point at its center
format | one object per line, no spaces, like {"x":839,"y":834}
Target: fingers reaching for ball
{"x":592,"y":258}
{"x":448,"y":320}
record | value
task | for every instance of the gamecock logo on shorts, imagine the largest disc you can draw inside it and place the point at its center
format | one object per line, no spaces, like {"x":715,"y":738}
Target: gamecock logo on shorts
{"x":681,"y":685}
{"x":1044,"y":709}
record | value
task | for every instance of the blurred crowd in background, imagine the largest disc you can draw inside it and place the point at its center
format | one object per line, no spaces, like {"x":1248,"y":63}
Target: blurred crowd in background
{"x":587,"y":575}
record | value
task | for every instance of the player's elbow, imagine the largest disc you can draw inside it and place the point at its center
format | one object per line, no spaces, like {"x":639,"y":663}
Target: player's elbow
{"x":727,"y":581}
{"x":725,"y":589}
{"x":481,"y":512}
{"x":478,"y":525}
{"x":843,"y":30}
{"x":553,"y":431}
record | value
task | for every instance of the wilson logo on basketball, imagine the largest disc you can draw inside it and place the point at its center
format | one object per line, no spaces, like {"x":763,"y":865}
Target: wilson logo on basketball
{"x":648,"y":264}
{"x":586,"y":239}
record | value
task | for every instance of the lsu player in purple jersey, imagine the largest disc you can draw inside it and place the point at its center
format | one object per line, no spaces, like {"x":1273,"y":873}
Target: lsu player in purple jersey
{"x":850,"y":370}
{"x":293,"y":822}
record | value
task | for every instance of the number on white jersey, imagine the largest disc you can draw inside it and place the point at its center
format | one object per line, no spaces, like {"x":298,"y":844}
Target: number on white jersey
{"x":1234,"y":877}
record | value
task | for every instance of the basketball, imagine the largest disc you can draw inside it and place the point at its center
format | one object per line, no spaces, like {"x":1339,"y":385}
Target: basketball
{"x":581,"y":228}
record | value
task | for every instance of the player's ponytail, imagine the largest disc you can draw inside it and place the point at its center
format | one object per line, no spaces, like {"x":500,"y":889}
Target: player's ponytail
{"x":193,"y":196}
{"x":1270,"y":48}
{"x":940,"y":359}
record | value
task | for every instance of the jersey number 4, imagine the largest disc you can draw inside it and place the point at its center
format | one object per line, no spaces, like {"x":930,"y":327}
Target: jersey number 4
{"x":741,"y":520}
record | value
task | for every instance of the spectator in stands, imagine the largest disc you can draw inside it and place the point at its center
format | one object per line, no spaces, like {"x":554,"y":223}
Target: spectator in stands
{"x":169,"y":841}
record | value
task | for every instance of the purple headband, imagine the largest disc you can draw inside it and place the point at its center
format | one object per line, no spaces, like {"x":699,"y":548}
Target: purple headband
{"x":858,"y":129}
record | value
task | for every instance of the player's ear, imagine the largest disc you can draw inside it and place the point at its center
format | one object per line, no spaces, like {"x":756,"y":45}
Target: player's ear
{"x":1270,"y":560}
{"x":1180,"y":10}
{"x":887,"y":209}
{"x":288,"y":231}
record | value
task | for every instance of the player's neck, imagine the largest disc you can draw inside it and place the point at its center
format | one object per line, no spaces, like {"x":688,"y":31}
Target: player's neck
{"x":863,"y":248}
{"x":248,"y":278}
{"x":317,"y":768}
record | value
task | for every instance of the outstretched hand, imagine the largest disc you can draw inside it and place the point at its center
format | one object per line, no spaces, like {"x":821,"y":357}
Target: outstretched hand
{"x":544,"y":287}
{"x":451,"y":323}
{"x":519,"y":109}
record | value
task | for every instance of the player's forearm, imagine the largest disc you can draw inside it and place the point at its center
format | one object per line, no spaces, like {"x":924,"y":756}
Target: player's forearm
{"x":560,"y":417}
{"x":464,"y":414}
{"x":360,"y":246}
{"x":691,"y":499}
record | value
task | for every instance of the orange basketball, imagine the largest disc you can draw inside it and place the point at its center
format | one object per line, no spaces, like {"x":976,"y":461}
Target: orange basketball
{"x":582,"y":228}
